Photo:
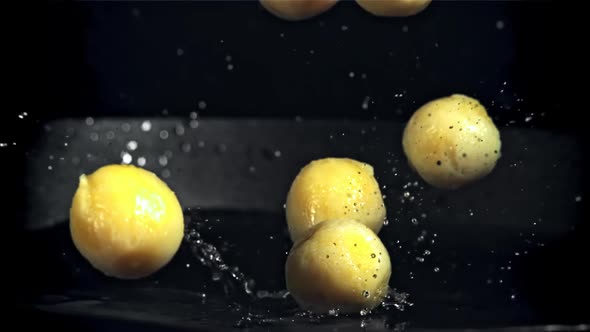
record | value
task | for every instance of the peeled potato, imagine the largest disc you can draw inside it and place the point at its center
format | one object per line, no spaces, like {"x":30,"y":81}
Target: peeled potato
{"x":452,"y":141}
{"x":296,"y":10}
{"x":391,"y":8}
{"x":125,"y":221}
{"x":341,"y":264}
{"x":334,"y":188}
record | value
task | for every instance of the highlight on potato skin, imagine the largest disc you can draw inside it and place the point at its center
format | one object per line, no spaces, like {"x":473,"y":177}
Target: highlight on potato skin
{"x":334,"y":188}
{"x":340,"y":264}
{"x":451,"y":142}
{"x":393,"y":8}
{"x":125,"y":221}
{"x":297,"y":10}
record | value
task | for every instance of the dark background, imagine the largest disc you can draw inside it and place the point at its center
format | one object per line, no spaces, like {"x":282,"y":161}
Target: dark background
{"x":121,"y":59}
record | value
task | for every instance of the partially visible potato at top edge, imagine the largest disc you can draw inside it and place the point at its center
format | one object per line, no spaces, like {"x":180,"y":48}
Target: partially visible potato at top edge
{"x":297,"y":10}
{"x":394,"y":8}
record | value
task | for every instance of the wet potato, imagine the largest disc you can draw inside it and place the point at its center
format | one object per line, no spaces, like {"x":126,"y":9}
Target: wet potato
{"x":334,"y":188}
{"x":125,"y":221}
{"x":451,"y":142}
{"x":340,"y":264}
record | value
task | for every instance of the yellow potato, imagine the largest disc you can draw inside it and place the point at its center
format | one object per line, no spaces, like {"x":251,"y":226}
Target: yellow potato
{"x":334,"y":188}
{"x":340,"y":264}
{"x":125,"y":221}
{"x":451,"y":141}
{"x":296,"y":10}
{"x":391,"y":8}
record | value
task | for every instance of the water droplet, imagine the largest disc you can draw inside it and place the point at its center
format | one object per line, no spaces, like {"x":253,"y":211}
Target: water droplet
{"x":499,"y":24}
{"x":131,"y":145}
{"x":251,"y":169}
{"x":365,"y":104}
{"x":194,"y":124}
{"x":185,"y":147}
{"x":163,"y":134}
{"x":528,"y":119}
{"x":405,"y":28}
{"x":126,"y":127}
{"x":414,"y":221}
{"x":436,"y":269}
{"x":423,"y":215}
{"x":146,"y":125}
{"x":344,"y":28}
{"x":351,"y":74}
{"x":385,"y":222}
{"x":578,"y":199}
{"x":94,"y":137}
{"x":163,"y":160}
{"x":406,"y":194}
{"x":216,"y":276}
{"x":110,"y":134}
{"x":366,"y":293}
{"x":228,"y":58}
{"x":221,"y":148}
{"x":89,"y":121}
{"x":188,"y":265}
{"x":277,"y":153}
{"x":334,"y":312}
{"x":201,"y":144}
{"x":230,"y":67}
{"x":179,"y":51}
{"x":166,"y":173}
{"x":420,"y":259}
{"x":126,"y":158}
{"x":426,"y":252}
{"x":513,"y":297}
{"x":179,"y":129}
{"x":50,"y":167}
{"x":141,"y":161}
{"x":516,"y":253}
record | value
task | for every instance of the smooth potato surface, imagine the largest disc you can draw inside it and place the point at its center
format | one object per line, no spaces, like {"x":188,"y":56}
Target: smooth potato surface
{"x":296,"y":10}
{"x":125,"y":221}
{"x":393,"y":8}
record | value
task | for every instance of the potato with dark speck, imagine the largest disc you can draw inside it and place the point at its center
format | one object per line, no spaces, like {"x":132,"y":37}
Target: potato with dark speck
{"x":334,"y":188}
{"x":451,"y":142}
{"x":394,"y":8}
{"x":339,"y":264}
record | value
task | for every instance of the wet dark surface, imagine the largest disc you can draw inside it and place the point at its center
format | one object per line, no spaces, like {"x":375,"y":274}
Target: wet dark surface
{"x":495,"y":254}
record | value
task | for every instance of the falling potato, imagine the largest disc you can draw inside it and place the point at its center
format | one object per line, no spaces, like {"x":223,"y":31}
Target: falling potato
{"x":340,"y":264}
{"x":125,"y":221}
{"x":334,"y":188}
{"x":451,"y":141}
{"x":393,"y":8}
{"x":296,"y":10}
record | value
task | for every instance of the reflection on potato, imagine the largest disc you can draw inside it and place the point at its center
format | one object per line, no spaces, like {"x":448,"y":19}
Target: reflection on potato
{"x":341,"y":264}
{"x":125,"y":221}
{"x":334,"y":188}
{"x":391,"y":8}
{"x":296,"y":10}
{"x":452,"y":141}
